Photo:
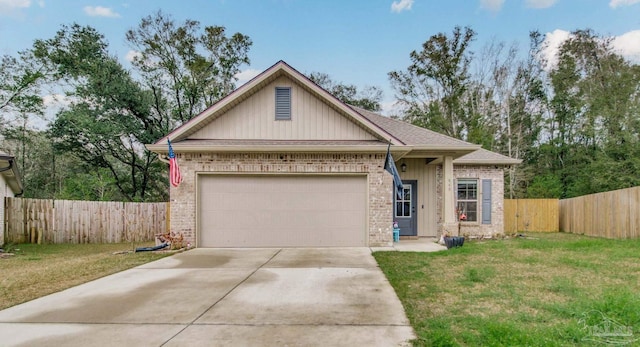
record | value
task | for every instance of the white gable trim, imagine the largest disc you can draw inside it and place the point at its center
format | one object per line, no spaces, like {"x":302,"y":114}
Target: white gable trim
{"x":273,"y":72}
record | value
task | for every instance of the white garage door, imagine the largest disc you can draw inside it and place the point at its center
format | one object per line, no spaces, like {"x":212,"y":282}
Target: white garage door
{"x":281,"y":211}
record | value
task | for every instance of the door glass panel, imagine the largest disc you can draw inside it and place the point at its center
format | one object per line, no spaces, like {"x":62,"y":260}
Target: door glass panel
{"x":403,"y":203}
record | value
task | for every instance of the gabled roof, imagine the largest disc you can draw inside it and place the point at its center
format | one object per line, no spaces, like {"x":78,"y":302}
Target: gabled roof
{"x":237,"y":96}
{"x":406,"y":139}
{"x":10,"y":172}
{"x":483,"y":156}
{"x":417,"y":137}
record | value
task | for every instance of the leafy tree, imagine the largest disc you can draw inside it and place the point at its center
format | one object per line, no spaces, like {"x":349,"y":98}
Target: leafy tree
{"x":435,"y":83}
{"x":368,"y":98}
{"x":32,"y":150}
{"x":180,"y":72}
{"x":185,"y":68}
{"x":593,"y":127}
{"x":109,"y":120}
{"x":93,"y":184}
{"x":20,"y":79}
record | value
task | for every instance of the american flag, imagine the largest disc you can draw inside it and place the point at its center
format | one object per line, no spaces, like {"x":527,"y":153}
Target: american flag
{"x":174,"y":170}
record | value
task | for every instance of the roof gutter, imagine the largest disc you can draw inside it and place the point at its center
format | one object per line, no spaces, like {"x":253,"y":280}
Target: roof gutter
{"x":487,"y":162}
{"x":162,"y":149}
{"x":16,"y":176}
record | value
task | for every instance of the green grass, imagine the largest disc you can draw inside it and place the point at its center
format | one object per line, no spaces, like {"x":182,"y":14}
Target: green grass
{"x":38,"y":270}
{"x":546,"y":290}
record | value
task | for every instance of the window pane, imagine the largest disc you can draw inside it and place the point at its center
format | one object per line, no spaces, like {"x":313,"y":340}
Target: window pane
{"x":467,"y":189}
{"x":407,"y":209}
{"x":473,"y":193}
{"x":472,"y":214}
{"x":398,"y":209}
{"x":469,"y":209}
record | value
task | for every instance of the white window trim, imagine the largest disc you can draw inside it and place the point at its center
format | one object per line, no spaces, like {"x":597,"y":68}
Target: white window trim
{"x":477,"y":200}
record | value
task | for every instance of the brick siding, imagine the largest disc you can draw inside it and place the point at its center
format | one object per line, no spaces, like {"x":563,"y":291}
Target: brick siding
{"x":480,"y":172}
{"x":380,"y":204}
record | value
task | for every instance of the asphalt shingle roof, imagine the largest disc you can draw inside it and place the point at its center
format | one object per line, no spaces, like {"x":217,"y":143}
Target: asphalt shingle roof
{"x":410,"y":134}
{"x":484,"y":156}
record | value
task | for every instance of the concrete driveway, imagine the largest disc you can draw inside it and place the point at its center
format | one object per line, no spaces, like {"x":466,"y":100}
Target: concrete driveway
{"x":222,"y":297}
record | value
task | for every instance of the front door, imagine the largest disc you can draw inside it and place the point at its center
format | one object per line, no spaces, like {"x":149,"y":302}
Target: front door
{"x":405,"y":209}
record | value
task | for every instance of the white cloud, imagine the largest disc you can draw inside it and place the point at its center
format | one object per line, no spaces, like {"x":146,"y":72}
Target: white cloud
{"x":41,"y":3}
{"x":246,"y":75}
{"x":540,"y":3}
{"x":617,"y":3}
{"x":492,"y":5}
{"x":551,"y":47}
{"x":56,"y":100}
{"x":15,"y":3}
{"x":628,"y":45}
{"x":402,"y":5}
{"x":392,"y":108}
{"x":99,"y":11}
{"x":13,"y":6}
{"x":131,"y":55}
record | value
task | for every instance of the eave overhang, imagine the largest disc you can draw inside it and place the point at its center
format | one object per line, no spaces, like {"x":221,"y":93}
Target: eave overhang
{"x":186,"y":148}
{"x":486,"y":162}
{"x":243,"y":92}
{"x":10,"y":172}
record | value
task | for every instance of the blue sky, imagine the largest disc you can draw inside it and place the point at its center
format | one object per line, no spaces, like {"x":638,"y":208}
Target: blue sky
{"x":356,"y":41}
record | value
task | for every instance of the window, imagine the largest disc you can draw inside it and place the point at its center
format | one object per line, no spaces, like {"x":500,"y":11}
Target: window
{"x":283,"y":103}
{"x":403,"y":203}
{"x":468,"y":199}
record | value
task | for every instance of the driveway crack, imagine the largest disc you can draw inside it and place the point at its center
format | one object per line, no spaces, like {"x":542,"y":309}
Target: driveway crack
{"x":223,"y":297}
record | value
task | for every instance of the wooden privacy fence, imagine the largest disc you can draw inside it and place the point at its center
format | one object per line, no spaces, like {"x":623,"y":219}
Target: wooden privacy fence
{"x":612,"y":214}
{"x":69,"y":221}
{"x":531,"y":215}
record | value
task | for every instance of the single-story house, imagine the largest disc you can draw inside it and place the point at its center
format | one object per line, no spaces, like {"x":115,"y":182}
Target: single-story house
{"x":10,"y":186}
{"x":280,"y":162}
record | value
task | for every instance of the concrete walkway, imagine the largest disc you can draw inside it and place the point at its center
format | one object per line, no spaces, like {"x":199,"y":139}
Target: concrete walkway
{"x":419,"y":245}
{"x":222,"y":297}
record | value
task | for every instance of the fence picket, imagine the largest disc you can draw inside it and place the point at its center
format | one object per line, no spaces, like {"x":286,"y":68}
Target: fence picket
{"x":67,"y":221}
{"x":531,"y":215}
{"x":614,"y":214}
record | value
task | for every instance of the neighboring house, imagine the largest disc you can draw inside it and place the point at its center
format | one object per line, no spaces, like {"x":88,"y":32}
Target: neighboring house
{"x":10,"y":186}
{"x":280,"y":162}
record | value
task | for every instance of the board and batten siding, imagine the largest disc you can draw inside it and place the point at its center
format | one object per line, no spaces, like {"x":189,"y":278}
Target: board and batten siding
{"x":427,"y":199}
{"x":311,"y":119}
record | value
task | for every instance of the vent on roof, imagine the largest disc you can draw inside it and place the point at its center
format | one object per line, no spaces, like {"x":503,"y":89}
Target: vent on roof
{"x":283,"y":103}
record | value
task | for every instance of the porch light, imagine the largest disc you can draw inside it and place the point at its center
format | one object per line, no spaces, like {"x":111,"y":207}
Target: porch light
{"x":403,"y":167}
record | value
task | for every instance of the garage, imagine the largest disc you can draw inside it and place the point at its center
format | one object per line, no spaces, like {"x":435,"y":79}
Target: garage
{"x":282,"y":210}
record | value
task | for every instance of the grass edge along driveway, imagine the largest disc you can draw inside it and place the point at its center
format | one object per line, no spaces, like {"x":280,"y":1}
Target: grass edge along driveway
{"x":549,"y":289}
{"x":38,"y":270}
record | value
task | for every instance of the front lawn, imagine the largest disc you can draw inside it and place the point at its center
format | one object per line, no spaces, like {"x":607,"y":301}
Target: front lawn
{"x":553,"y":289}
{"x":38,"y":270}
